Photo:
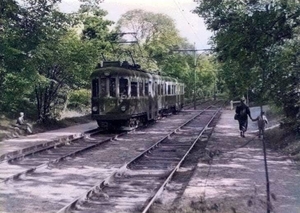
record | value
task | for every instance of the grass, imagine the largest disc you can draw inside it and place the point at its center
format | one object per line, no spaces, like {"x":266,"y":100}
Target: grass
{"x":285,"y":141}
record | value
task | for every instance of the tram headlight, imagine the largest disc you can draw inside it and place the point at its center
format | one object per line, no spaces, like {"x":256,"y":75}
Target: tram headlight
{"x":123,"y":108}
{"x":95,"y":108}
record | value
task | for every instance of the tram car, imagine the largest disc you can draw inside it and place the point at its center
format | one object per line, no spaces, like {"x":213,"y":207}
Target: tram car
{"x":124,"y":96}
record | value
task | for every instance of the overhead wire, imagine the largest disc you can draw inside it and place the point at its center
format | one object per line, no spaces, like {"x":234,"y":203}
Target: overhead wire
{"x":189,"y":24}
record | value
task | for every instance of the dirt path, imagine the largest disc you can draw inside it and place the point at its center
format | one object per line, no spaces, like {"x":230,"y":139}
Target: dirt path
{"x":232,"y":178}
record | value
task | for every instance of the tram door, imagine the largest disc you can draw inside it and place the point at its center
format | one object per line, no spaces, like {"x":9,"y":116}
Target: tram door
{"x":152,"y":112}
{"x":177,"y":96}
{"x":160,"y":96}
{"x":150,"y":101}
{"x":155,"y":99}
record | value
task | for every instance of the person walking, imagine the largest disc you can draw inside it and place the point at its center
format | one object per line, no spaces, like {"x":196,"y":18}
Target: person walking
{"x":261,"y":123}
{"x":243,"y":112}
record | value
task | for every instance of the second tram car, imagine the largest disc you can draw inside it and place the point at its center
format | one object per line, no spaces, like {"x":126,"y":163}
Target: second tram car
{"x":123,"y":96}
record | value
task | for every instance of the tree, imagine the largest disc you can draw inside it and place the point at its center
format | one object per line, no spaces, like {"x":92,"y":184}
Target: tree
{"x":66,"y":63}
{"x":247,"y":36}
{"x":22,"y":29}
{"x":285,"y":79}
{"x":155,"y":33}
{"x":43,"y":57}
{"x":60,"y":66}
{"x":158,"y":39}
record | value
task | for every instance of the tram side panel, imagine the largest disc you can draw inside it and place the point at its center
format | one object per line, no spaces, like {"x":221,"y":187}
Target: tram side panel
{"x":121,"y":96}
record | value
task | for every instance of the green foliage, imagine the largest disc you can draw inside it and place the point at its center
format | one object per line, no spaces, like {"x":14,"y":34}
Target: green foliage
{"x":79,"y":99}
{"x":65,"y":64}
{"x":247,"y":32}
{"x":206,"y":75}
{"x":45,"y":54}
{"x":250,"y":39}
{"x":16,"y":97}
{"x":285,"y":79}
{"x":23,"y":28}
{"x":156,"y":35}
{"x":157,"y":39}
{"x":202,"y":78}
{"x":42,"y":58}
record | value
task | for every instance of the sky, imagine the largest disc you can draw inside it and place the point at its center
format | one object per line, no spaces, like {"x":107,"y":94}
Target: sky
{"x":190,"y":25}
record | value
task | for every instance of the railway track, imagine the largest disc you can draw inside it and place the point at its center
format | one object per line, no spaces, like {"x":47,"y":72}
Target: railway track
{"x":200,"y":104}
{"x":135,"y":186}
{"x":22,"y":165}
{"x":58,"y":183}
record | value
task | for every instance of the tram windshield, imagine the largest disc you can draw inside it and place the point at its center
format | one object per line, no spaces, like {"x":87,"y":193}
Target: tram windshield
{"x":134,"y":90}
{"x":112,"y":87}
{"x":146,"y":89}
{"x":123,"y":87}
{"x":103,"y":87}
{"x":95,"y":87}
{"x":141,"y":88}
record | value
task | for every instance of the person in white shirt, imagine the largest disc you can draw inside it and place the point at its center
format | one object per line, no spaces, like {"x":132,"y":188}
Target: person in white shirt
{"x":22,"y":124}
{"x":261,"y":123}
{"x":20,"y":120}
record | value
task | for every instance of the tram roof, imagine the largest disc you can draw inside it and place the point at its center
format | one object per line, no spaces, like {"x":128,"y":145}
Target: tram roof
{"x":120,"y":71}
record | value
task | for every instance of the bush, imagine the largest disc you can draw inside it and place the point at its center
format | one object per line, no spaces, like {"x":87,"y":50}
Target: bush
{"x":79,"y":100}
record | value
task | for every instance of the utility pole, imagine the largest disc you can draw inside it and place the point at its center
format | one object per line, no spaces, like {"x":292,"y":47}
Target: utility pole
{"x":195,"y":65}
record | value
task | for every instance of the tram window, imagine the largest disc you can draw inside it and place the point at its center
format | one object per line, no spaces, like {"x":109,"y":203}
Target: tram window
{"x":112,"y":87}
{"x":159,"y":89}
{"x":169,"y":89}
{"x":155,"y":88}
{"x":146,"y":89}
{"x":95,"y":87}
{"x":103,"y":86}
{"x":162,"y":89}
{"x":123,"y":86}
{"x":166,"y":91}
{"x":134,"y":89}
{"x":141,"y":88}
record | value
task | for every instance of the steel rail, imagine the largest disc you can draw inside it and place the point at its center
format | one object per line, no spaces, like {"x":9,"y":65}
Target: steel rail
{"x":52,"y":145}
{"x":100,"y":185}
{"x":189,"y":106}
{"x":160,"y":190}
{"x":162,"y":139}
{"x":81,"y":149}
